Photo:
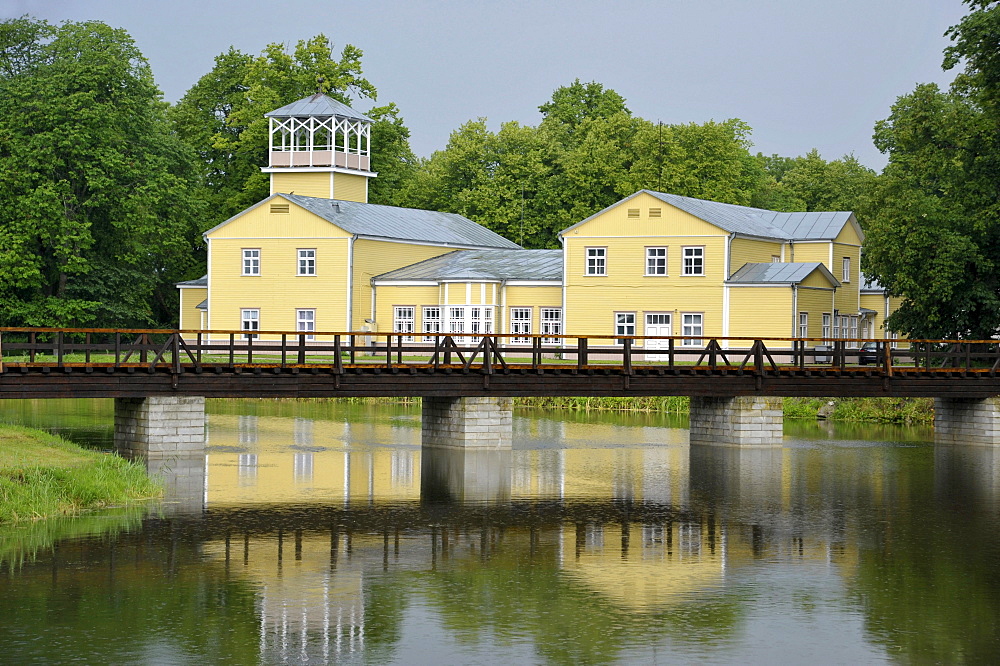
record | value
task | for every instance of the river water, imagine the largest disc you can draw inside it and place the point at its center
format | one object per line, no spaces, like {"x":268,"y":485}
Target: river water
{"x":321,"y":533}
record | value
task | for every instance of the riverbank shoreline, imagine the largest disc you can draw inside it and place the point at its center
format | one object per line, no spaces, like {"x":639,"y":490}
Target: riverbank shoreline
{"x":43,"y":476}
{"x":897,"y":411}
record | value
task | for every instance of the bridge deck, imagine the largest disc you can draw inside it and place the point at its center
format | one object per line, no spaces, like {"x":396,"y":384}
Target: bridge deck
{"x":88,"y":363}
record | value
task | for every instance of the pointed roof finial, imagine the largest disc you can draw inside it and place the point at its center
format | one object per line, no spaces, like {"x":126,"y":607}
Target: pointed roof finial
{"x":319,"y":85}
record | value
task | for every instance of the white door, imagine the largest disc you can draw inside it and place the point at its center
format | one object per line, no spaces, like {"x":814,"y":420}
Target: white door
{"x":658,"y":323}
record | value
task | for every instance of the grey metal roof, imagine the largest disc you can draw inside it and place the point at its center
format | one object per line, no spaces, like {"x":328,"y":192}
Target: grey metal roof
{"x":871,"y":284}
{"x":484,"y":265}
{"x":750,"y":221}
{"x":202,"y":306}
{"x":317,"y":105}
{"x":809,"y":226}
{"x":200,"y":282}
{"x":779,"y":273}
{"x":730,"y":217}
{"x":391,"y":222}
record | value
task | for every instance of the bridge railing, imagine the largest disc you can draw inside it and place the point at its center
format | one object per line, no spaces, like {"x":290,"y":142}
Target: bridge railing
{"x":182,"y":350}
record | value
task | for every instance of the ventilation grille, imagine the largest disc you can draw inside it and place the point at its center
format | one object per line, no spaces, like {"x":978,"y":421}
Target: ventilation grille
{"x":654,"y":212}
{"x":633,"y":212}
{"x":279,"y":208}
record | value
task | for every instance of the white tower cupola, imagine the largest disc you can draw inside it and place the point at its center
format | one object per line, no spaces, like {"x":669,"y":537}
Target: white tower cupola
{"x":320,"y":147}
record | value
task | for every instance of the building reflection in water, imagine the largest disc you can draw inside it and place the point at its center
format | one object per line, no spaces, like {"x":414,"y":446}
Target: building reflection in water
{"x":634,"y":526}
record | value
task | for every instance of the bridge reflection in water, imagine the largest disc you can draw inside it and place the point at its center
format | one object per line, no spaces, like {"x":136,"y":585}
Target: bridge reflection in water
{"x":634,"y":529}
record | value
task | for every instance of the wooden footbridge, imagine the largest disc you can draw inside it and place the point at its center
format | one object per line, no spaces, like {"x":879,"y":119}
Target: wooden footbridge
{"x":108,"y":363}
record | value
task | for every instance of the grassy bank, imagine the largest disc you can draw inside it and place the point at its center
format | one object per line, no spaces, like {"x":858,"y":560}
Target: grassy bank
{"x":42,"y":475}
{"x":901,"y":411}
{"x":908,"y":411}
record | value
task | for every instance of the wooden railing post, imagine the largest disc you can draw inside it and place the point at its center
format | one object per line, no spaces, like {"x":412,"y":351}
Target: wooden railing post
{"x":175,"y":351}
{"x":627,"y":356}
{"x":59,"y":349}
{"x":338,"y":361}
{"x":581,"y":352}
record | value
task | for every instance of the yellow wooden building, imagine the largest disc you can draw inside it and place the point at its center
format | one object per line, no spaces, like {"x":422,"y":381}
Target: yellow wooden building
{"x":662,"y":264}
{"x":315,"y":256}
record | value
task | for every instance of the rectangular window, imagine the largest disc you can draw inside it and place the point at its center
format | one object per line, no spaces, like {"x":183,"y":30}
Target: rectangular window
{"x":692,"y":325}
{"x":456,"y":324}
{"x":249,"y":321}
{"x":624,"y":325}
{"x":305,"y":322}
{"x":307,"y":262}
{"x":480,"y":322}
{"x":775,"y":259}
{"x":520,"y":325}
{"x":404,"y":321}
{"x":803,"y":324}
{"x":854,"y":327}
{"x":845,"y":270}
{"x":694,"y":261}
{"x":836,"y":325}
{"x":656,"y":261}
{"x":551,"y":324}
{"x":826,"y":325}
{"x":431,"y":322}
{"x":597,"y":260}
{"x":251,"y":262}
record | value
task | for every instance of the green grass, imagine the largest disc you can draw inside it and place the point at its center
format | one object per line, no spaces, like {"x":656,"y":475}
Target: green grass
{"x":903,"y":411}
{"x":42,"y":476}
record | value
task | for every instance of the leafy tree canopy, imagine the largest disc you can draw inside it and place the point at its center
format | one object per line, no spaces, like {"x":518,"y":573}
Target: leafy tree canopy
{"x":97,"y":221}
{"x":528,"y":183}
{"x":933,"y":234}
{"x":222,"y":116}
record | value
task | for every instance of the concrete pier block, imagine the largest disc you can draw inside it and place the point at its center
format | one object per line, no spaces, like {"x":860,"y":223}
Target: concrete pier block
{"x":482,"y":422}
{"x":160,"y":426}
{"x":967,"y":421}
{"x":742,"y":421}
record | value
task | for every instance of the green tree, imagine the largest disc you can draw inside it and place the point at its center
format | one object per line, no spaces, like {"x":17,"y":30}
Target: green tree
{"x":933,"y":233}
{"x":589,"y":151}
{"x":222,"y":116}
{"x":833,"y":186}
{"x":99,"y":217}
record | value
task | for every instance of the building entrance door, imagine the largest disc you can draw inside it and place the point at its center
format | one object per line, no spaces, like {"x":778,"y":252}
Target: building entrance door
{"x":658,"y":323}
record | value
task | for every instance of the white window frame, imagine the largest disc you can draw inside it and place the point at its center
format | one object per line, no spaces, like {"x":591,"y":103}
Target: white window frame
{"x":692,"y":327}
{"x":803,"y":324}
{"x":845,"y":270}
{"x":596,"y":261}
{"x":404,"y":320}
{"x":251,"y":261}
{"x":854,"y":327}
{"x":551,"y":324}
{"x":431,"y":321}
{"x":624,"y":325}
{"x":693,"y":260}
{"x":307,"y":261}
{"x":456,"y":322}
{"x":468,"y":323}
{"x":826,"y":325}
{"x":656,"y":261}
{"x":520,"y":325}
{"x":305,"y":322}
{"x":250,"y":321}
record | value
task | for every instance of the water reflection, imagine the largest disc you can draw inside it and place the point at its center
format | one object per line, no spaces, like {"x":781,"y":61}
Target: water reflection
{"x":315,"y":539}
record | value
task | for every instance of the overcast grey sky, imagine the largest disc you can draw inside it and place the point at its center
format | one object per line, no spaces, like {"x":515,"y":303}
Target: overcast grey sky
{"x":803,"y":73}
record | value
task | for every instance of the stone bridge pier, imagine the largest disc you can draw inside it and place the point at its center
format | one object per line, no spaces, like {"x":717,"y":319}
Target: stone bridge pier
{"x":160,"y":427}
{"x":967,"y":421}
{"x":474,"y":423}
{"x":750,"y":421}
